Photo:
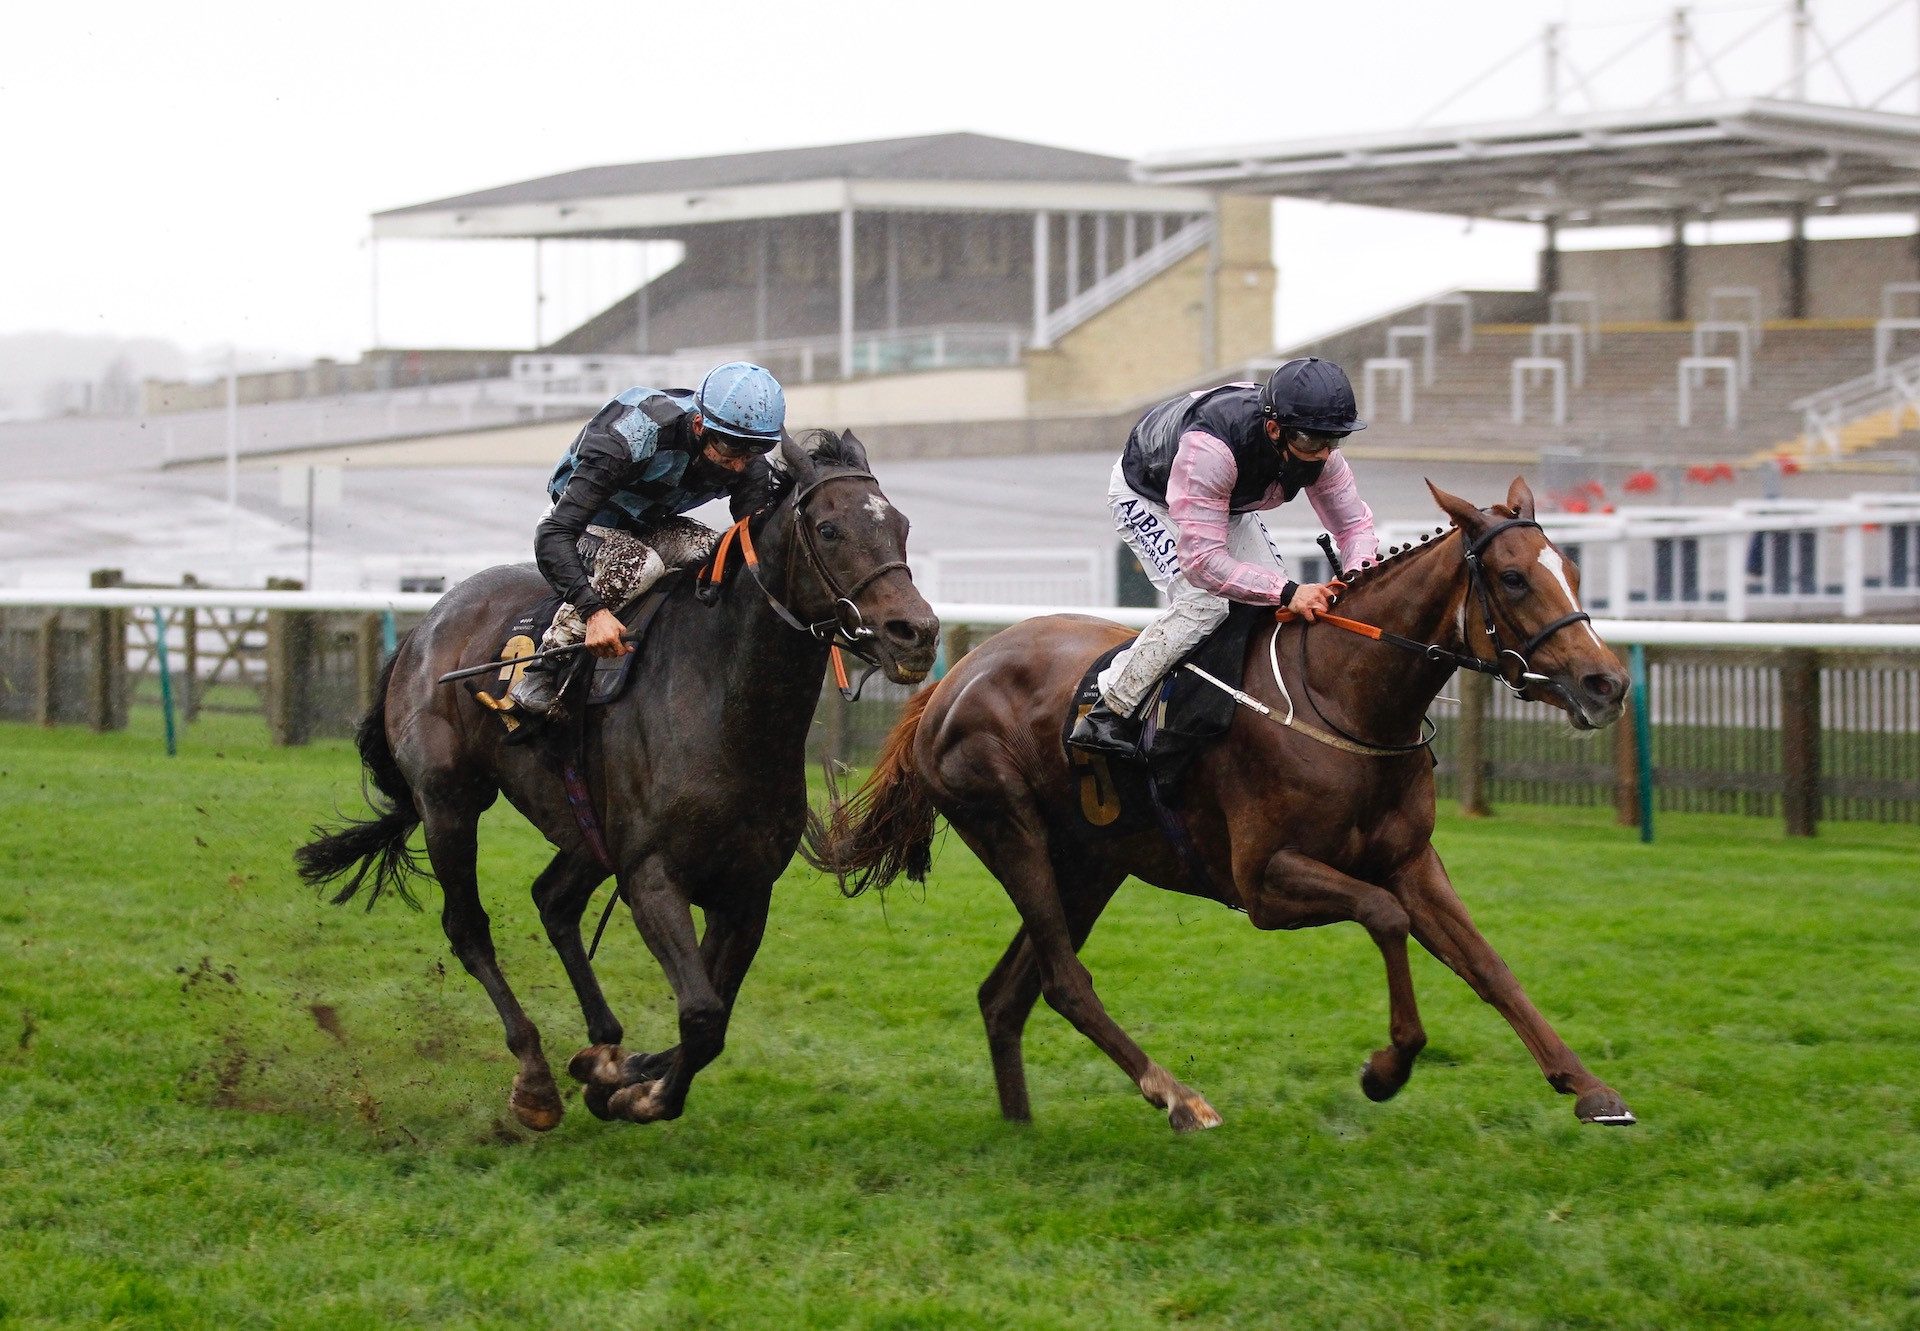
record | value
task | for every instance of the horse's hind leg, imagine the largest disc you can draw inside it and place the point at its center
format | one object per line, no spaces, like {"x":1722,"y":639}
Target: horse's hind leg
{"x":1013,"y":847}
{"x":1009,"y":993}
{"x":452,"y":846}
{"x":1296,"y":892}
{"x":561,"y":893}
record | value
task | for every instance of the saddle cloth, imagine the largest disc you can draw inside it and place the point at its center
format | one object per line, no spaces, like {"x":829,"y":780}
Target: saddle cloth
{"x":611,"y":675}
{"x":1185,"y":716}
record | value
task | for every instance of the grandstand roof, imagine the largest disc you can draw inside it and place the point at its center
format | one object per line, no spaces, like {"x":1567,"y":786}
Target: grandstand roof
{"x":945,"y":172}
{"x":1754,"y":158}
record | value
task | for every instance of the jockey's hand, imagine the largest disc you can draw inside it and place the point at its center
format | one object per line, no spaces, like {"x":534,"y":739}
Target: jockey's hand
{"x":1310,"y":599}
{"x":603,"y":634}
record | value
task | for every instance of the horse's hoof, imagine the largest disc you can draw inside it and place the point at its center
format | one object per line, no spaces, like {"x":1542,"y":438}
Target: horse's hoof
{"x":1376,"y":1087}
{"x":1605,"y":1107}
{"x":595,"y":1098}
{"x":1193,"y":1115}
{"x":537,"y":1107}
{"x":636,"y":1068}
{"x":597,"y":1065}
{"x":642,"y":1103}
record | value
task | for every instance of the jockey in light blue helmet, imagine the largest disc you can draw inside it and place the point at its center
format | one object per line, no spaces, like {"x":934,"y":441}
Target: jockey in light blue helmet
{"x":744,"y":403}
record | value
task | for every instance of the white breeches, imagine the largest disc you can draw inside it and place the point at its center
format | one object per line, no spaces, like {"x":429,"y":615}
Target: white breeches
{"x":1192,"y":612}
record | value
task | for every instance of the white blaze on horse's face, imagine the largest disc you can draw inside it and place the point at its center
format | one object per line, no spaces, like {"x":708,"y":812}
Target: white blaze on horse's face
{"x":878,"y":507}
{"x":1556,"y":568}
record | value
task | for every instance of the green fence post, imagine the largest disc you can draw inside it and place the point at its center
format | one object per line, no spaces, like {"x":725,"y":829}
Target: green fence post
{"x":166,"y":676}
{"x":1642,"y":738}
{"x":389,"y":634}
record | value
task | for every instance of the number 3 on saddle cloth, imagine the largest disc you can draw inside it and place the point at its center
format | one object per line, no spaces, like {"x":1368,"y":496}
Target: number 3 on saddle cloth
{"x":1185,"y":715}
{"x":610,"y":675}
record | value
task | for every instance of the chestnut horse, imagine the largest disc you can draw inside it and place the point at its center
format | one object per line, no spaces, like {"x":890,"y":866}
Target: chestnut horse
{"x":1298,"y":817}
{"x":699,"y":769}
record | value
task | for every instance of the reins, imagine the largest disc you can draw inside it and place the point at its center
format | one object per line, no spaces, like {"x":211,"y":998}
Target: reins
{"x":844,"y":631}
{"x":1525,"y":676}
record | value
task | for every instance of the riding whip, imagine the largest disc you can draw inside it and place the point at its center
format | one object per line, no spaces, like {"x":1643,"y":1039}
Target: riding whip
{"x":547,"y":655}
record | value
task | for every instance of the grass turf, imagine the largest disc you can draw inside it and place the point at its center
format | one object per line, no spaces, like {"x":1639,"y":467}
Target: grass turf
{"x":223,"y":1102}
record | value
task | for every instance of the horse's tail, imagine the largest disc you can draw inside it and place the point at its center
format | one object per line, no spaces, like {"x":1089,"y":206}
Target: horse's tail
{"x":377,"y":845}
{"x":886,"y":827}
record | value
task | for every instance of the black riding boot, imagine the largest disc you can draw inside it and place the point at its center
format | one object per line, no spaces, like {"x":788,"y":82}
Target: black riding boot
{"x":537,"y":691}
{"x":1105,"y":731}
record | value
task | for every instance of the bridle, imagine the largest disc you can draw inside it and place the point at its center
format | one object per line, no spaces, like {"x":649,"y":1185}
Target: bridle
{"x":1496,"y":664}
{"x":846,"y":629}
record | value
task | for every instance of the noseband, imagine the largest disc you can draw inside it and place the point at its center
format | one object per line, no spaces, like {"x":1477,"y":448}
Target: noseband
{"x":1521,"y":656}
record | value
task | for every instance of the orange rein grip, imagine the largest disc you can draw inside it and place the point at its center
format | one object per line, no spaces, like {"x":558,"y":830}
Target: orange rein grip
{"x":839,"y":669}
{"x":716,"y":573}
{"x":1338,"y":621}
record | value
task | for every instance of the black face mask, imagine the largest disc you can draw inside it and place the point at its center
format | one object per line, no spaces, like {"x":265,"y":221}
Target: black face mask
{"x":704,"y":475}
{"x":1296,"y":475}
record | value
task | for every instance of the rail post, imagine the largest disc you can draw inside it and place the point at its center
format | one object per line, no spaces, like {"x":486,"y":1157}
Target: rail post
{"x":107,"y":659}
{"x":1800,"y":741}
{"x":190,"y":676}
{"x":45,"y":659}
{"x":1642,"y":738}
{"x":1471,"y":753}
{"x":289,"y":670}
{"x":1626,"y":771}
{"x":166,"y":677}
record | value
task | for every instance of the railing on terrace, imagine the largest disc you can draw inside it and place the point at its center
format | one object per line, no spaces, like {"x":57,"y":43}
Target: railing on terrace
{"x":808,"y":360}
{"x":1826,"y":414}
{"x":1801,"y":721}
{"x":1129,"y":277}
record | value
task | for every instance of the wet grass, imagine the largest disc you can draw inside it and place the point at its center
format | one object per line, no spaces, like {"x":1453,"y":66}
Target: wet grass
{"x":223,"y":1102}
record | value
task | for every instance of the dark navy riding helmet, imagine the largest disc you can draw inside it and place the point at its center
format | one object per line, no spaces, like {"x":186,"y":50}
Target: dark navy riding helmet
{"x":1311,"y":394}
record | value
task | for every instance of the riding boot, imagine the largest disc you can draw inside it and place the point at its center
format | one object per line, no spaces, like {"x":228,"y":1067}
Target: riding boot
{"x":537,"y":691}
{"x":1105,"y":731}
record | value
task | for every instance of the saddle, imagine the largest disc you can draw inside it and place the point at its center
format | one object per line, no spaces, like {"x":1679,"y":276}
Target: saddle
{"x":602,"y":680}
{"x":1185,"y":716}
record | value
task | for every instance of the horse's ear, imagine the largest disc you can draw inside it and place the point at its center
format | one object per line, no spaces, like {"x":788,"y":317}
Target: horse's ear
{"x":797,"y":461}
{"x":854,"y":451}
{"x":1465,"y":516}
{"x":1520,"y":498}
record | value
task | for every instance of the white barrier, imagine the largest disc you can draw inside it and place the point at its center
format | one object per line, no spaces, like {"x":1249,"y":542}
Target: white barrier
{"x":1616,"y":631}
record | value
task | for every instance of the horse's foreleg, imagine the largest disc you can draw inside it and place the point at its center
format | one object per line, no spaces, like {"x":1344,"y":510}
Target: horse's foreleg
{"x":1013,"y":846}
{"x":728,"y":947}
{"x":452,"y":848}
{"x":665,"y":921}
{"x":1441,"y":923}
{"x":1296,"y":892}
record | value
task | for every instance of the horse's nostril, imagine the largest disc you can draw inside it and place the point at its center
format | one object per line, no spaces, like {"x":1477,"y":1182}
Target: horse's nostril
{"x":1601,"y":686}
{"x":903,"y":631}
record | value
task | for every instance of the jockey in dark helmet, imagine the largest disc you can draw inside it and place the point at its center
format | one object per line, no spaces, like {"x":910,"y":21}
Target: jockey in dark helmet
{"x":1186,"y":495}
{"x":646,"y":458}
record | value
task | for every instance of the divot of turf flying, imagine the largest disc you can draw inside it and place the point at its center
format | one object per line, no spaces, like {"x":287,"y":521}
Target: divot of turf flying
{"x":223,"y":1101}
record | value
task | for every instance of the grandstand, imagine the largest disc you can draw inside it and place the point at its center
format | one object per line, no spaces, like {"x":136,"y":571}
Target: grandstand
{"x":960,"y":298}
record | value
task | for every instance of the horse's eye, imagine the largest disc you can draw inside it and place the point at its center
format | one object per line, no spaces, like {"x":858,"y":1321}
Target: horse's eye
{"x":1512,"y":581}
{"x":829,"y":531}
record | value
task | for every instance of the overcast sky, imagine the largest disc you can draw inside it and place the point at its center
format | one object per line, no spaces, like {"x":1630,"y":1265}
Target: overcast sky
{"x":205,"y":173}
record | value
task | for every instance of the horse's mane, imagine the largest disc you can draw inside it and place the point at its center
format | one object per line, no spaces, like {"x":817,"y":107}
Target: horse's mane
{"x":1378,"y":571}
{"x":827,"y":449}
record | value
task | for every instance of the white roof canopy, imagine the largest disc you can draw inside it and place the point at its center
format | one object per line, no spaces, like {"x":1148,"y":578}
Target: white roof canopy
{"x":1738,"y":159}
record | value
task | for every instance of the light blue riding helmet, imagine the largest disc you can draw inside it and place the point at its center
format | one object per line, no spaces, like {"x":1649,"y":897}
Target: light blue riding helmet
{"x":745,"y":401}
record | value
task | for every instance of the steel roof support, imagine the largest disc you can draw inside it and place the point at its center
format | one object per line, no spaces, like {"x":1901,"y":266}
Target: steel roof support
{"x":846,"y":290}
{"x":1677,"y":271}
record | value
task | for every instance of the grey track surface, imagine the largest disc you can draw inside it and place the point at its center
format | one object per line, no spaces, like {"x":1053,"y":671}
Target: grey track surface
{"x":78,"y":495}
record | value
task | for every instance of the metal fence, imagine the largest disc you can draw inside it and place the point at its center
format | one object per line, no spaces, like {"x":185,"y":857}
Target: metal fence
{"x":1804,"y":722}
